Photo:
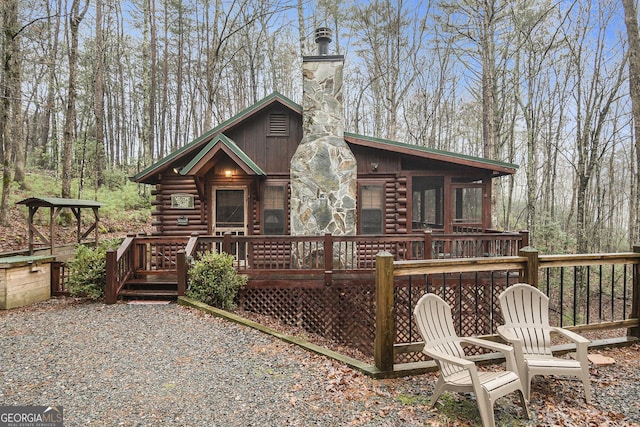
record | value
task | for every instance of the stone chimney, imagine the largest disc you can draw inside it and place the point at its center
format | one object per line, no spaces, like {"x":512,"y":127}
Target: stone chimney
{"x":323,"y":168}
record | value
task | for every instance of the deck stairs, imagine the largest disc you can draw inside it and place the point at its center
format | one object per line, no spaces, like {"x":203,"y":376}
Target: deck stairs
{"x":151,"y":285}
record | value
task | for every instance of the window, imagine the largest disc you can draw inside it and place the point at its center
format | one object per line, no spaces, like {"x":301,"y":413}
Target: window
{"x":427,"y":207}
{"x":274,"y":220}
{"x":371,"y":209}
{"x":467,"y":205}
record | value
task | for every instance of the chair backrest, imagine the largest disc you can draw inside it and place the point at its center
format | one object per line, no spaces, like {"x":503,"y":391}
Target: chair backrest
{"x":433,"y":317}
{"x":526,"y":312}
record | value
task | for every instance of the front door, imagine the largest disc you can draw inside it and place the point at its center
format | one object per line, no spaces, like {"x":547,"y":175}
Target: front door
{"x":230,"y":214}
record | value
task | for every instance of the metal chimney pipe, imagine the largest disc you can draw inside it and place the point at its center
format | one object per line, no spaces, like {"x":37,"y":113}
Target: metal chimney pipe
{"x":323,"y":38}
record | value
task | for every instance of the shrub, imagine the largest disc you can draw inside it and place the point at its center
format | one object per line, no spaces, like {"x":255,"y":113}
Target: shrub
{"x":87,"y":270}
{"x":214,"y":281}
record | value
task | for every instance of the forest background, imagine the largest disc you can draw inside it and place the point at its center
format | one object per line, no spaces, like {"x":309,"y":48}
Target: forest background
{"x":92,"y":92}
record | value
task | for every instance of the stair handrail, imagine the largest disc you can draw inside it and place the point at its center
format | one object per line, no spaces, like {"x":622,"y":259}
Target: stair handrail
{"x":119,"y":267}
{"x":182,"y":262}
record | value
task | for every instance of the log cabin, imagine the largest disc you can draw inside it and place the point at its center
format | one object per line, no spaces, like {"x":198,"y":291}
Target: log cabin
{"x":280,"y":168}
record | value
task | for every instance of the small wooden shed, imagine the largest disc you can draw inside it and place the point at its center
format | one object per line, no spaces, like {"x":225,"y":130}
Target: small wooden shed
{"x":56,"y":205}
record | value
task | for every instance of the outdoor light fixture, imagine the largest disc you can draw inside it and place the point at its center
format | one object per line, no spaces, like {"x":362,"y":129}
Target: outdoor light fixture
{"x":228,"y":173}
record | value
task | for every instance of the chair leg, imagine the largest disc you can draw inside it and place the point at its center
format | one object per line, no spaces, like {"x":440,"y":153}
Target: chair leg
{"x":523,"y":403}
{"x":485,"y":405}
{"x":526,"y":382}
{"x":437,"y":391}
{"x":587,"y":387}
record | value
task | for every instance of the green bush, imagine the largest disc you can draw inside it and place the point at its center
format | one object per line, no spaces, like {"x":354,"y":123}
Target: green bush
{"x":87,"y":270}
{"x":214,"y":281}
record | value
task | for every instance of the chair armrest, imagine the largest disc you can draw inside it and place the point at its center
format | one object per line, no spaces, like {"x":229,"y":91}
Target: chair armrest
{"x":507,"y":334}
{"x":576,"y":338}
{"x":492,"y":345}
{"x":447,"y":358}
{"x":506,"y":350}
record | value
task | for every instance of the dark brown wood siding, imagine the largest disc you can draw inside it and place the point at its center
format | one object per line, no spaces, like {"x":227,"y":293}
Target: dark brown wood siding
{"x":166,"y":219}
{"x":270,"y":138}
{"x":372,"y":161}
{"x":272,"y":153}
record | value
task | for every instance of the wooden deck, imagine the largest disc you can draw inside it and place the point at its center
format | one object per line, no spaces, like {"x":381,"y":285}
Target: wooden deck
{"x":144,"y":263}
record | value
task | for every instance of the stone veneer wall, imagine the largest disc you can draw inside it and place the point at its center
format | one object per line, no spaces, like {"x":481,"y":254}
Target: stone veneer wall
{"x":323,"y":169}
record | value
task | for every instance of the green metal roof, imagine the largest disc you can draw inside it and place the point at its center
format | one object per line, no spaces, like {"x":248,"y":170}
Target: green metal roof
{"x":432,"y":152}
{"x":229,"y":144}
{"x":498,"y":166}
{"x":55,"y":202}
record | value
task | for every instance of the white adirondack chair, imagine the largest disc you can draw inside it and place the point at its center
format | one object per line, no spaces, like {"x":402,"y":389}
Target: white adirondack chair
{"x":457,"y":373}
{"x":526,"y":315}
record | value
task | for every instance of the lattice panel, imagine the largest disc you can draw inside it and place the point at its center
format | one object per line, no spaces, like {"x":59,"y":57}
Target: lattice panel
{"x":473,"y":301}
{"x":344,"y":314}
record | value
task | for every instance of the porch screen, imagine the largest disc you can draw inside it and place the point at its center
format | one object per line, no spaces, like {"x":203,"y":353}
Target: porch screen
{"x":427,"y":202}
{"x":371,"y":209}
{"x":273,"y":213}
{"x":468,"y":205}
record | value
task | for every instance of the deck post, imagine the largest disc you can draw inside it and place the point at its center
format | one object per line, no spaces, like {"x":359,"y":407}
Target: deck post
{"x":385,"y":313}
{"x":181,"y":265}
{"x":530,"y":273}
{"x":226,"y":243}
{"x":525,"y":238}
{"x":110,"y":296}
{"x":635,"y":303}
{"x":140,"y":260}
{"x":428,"y":244}
{"x":56,"y":271}
{"x":328,"y":259}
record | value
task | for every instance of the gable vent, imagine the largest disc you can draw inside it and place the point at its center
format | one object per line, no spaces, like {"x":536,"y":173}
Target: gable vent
{"x":278,"y":124}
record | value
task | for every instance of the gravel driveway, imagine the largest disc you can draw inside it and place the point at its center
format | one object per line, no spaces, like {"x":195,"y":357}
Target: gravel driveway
{"x":152,"y":365}
{"x":167,"y":365}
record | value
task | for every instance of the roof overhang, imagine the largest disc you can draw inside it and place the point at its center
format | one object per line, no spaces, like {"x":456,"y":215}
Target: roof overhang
{"x":59,"y":202}
{"x":497,"y":168}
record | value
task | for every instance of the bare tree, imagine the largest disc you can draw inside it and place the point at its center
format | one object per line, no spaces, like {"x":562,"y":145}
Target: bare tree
{"x":10,"y":106}
{"x":49,"y":133}
{"x":596,"y":90}
{"x":390,"y":40}
{"x":98,"y":97}
{"x":633,"y":37}
{"x":535,"y":46}
{"x":75,"y":18}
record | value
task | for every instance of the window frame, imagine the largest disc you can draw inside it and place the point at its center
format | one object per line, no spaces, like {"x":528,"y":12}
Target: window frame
{"x":363,"y":185}
{"x":284,"y":185}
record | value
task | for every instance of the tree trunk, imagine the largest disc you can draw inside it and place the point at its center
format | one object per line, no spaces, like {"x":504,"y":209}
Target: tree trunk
{"x":99,"y":97}
{"x":10,"y":92}
{"x":75,"y":17}
{"x":48,"y":138}
{"x":153,"y":46}
{"x":633,"y":36}
{"x":179,"y":79}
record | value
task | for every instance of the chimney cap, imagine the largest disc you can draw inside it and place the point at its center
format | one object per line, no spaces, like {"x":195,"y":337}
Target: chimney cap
{"x":323,"y":38}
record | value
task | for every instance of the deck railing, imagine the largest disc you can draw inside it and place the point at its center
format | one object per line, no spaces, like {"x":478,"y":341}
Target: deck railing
{"x":353,"y":252}
{"x":588,"y":292}
{"x":59,"y":278}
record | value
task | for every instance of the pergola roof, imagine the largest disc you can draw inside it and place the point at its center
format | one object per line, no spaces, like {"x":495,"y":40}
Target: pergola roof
{"x":55,"y":205}
{"x":55,"y":202}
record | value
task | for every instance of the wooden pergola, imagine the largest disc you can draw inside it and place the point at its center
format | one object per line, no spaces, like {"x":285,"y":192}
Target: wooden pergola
{"x":56,"y":205}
